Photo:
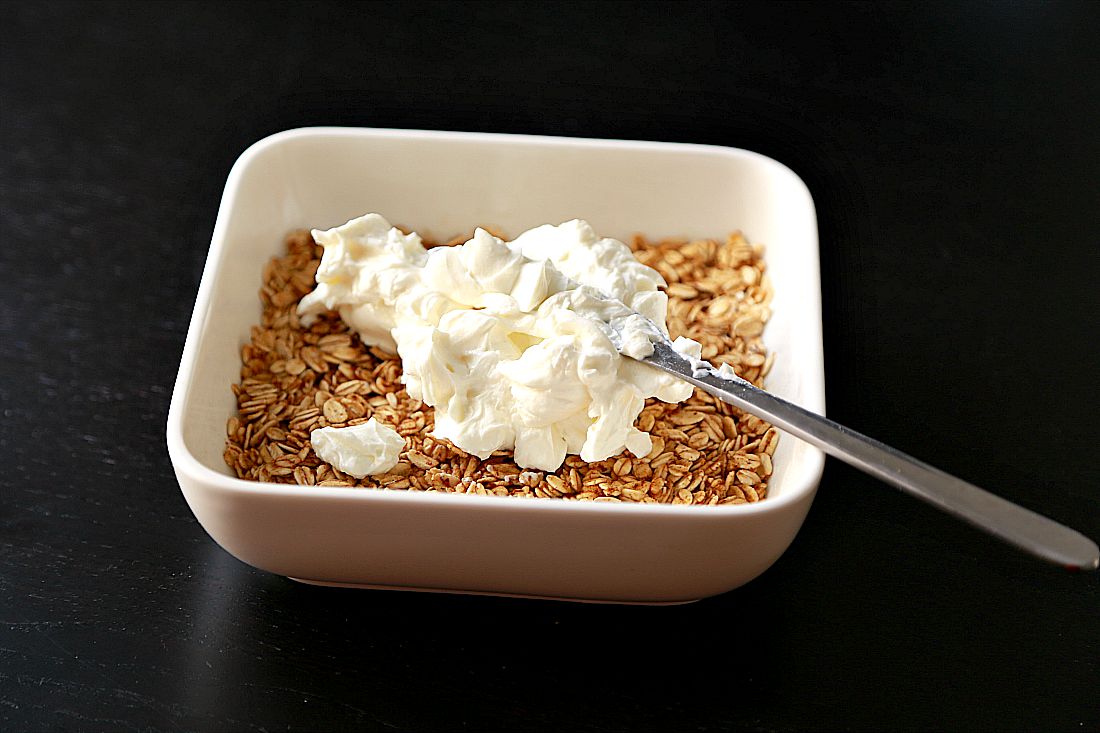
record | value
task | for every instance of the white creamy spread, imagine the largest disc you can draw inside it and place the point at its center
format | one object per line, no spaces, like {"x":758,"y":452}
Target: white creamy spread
{"x":512,"y":343}
{"x":360,"y":450}
{"x":725,"y":371}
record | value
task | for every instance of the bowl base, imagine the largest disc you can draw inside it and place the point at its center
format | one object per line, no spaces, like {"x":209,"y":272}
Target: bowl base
{"x":366,"y":586}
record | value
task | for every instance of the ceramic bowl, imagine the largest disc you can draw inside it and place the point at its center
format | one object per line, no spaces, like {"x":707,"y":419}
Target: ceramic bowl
{"x":441,"y":183}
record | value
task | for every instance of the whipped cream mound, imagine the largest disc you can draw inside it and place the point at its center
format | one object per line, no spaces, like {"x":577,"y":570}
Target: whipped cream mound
{"x":359,"y":450}
{"x":513,"y":343}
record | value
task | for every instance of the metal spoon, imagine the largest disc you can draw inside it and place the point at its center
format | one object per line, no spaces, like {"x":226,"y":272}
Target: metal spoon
{"x":1031,"y":532}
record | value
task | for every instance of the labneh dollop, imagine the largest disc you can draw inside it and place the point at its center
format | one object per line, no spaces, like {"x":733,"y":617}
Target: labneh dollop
{"x":513,"y":343}
{"x":359,"y":450}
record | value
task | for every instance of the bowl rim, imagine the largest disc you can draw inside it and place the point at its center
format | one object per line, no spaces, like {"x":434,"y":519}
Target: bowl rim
{"x":187,"y":465}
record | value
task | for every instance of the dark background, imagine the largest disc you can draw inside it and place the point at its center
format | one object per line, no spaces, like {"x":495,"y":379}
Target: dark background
{"x":954,"y":155}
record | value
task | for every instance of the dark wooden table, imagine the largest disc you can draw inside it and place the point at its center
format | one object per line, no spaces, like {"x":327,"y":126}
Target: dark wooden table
{"x":954,"y":155}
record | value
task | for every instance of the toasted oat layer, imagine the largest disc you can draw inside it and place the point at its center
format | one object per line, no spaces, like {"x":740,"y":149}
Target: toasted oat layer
{"x":296,"y":379}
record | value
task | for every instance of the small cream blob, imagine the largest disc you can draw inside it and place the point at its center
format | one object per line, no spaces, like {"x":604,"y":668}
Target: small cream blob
{"x":359,"y":450}
{"x":726,"y":372}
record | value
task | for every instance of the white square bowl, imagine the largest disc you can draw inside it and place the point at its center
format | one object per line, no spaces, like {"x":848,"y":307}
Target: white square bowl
{"x":440,"y":183}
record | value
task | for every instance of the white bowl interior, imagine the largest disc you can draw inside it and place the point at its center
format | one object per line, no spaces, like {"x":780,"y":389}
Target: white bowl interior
{"x":443,"y":183}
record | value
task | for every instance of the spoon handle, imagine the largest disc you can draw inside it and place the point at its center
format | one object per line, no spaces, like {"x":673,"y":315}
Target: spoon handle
{"x":1031,"y":532}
